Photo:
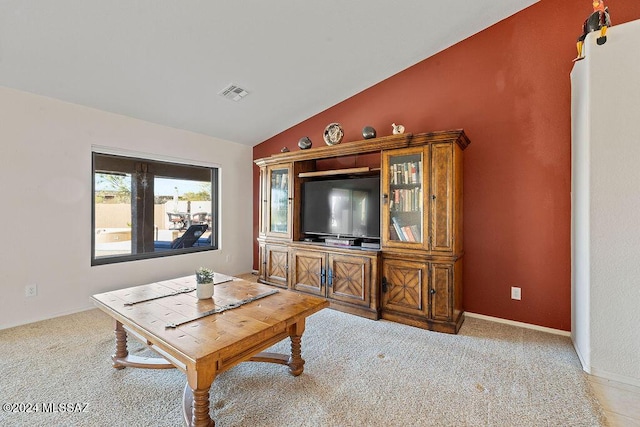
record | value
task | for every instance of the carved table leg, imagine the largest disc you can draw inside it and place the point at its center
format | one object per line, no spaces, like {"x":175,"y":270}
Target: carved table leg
{"x":121,"y":346}
{"x":296,"y":362}
{"x":200,"y":416}
{"x":195,"y":400}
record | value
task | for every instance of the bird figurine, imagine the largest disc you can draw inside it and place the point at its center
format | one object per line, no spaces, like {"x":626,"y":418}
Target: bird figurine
{"x":397,"y":129}
{"x":598,"y":20}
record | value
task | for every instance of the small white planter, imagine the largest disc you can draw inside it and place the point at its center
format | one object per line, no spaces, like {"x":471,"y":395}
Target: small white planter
{"x":204,"y":290}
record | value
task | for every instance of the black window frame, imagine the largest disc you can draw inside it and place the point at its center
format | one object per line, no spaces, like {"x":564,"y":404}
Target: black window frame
{"x":143,"y":171}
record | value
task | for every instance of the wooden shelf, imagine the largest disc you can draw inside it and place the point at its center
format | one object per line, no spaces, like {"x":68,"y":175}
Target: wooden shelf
{"x":334,"y":172}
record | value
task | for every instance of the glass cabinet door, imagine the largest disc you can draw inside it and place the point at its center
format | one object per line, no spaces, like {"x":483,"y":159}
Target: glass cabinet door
{"x":403,"y":218}
{"x":279,"y":201}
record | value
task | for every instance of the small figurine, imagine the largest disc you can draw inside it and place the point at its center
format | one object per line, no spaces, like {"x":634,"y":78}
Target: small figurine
{"x":598,"y":20}
{"x":368,"y":132}
{"x":304,"y":143}
{"x":397,"y":129}
{"x":284,"y":150}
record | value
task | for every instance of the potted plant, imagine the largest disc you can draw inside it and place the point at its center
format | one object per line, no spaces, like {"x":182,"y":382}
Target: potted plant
{"x":204,"y":283}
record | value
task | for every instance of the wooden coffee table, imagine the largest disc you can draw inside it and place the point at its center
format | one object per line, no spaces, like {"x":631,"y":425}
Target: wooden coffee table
{"x":205,"y":347}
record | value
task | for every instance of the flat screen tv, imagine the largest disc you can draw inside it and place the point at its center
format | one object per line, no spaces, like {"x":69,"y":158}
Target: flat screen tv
{"x":347,"y":207}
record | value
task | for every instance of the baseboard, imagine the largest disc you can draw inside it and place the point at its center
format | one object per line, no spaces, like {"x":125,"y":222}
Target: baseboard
{"x":585,"y":366}
{"x":614,"y":377}
{"x":519,"y":324}
{"x":600,"y":373}
{"x":48,"y":317}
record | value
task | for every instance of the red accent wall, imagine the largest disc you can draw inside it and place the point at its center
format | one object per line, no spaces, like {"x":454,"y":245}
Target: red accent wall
{"x":508,"y":87}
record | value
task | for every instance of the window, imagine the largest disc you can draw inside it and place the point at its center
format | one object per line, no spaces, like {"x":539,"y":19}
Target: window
{"x":146,"y":208}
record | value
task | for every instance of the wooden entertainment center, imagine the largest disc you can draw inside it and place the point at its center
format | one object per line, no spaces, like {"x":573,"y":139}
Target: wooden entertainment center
{"x":415,"y":276}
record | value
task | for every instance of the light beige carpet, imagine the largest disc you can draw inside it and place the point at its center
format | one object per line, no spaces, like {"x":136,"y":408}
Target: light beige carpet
{"x":358,"y":372}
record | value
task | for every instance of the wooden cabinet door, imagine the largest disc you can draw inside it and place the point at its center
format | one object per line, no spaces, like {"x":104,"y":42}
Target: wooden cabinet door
{"x":349,"y":279}
{"x":276,"y":265}
{"x":261,"y":263}
{"x":262,"y":211}
{"x":278,"y":203}
{"x":441,"y":291}
{"x":404,"y":286}
{"x":441,"y":198}
{"x":308,"y":273}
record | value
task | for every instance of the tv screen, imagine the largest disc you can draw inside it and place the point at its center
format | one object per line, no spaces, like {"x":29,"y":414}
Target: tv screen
{"x":342,"y":207}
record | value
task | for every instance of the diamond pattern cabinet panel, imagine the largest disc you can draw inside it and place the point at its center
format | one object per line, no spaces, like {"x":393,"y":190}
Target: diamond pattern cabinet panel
{"x":276,"y":265}
{"x":350,"y":278}
{"x":403,"y":287}
{"x":309,"y":272}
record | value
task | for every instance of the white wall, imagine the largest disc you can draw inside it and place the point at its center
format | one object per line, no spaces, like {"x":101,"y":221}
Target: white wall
{"x":580,"y":233}
{"x":45,"y":204}
{"x":606,"y":205}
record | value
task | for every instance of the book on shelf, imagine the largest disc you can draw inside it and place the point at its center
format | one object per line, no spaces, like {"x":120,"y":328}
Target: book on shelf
{"x":406,"y":199}
{"x":415,"y":230}
{"x":408,"y":233}
{"x":398,"y":229}
{"x":405,"y":233}
{"x":405,"y":173}
{"x":393,"y":234}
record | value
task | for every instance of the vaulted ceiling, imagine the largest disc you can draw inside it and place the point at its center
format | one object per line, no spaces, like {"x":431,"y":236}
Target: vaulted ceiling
{"x":167,"y":61}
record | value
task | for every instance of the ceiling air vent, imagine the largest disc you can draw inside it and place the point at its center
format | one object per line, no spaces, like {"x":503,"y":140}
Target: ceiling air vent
{"x":233,"y":92}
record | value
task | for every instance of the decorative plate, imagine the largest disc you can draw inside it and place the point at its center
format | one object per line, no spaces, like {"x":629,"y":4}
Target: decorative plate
{"x":333,"y":134}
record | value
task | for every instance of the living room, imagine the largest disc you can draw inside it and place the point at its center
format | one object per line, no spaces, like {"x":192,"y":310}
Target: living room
{"x":508,"y":86}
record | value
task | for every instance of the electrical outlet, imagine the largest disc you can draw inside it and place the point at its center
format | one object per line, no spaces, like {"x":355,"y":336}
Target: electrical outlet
{"x":516,"y":293}
{"x":31,"y":290}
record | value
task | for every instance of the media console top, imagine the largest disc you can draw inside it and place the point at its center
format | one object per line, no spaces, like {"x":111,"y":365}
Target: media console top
{"x":367,"y":146}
